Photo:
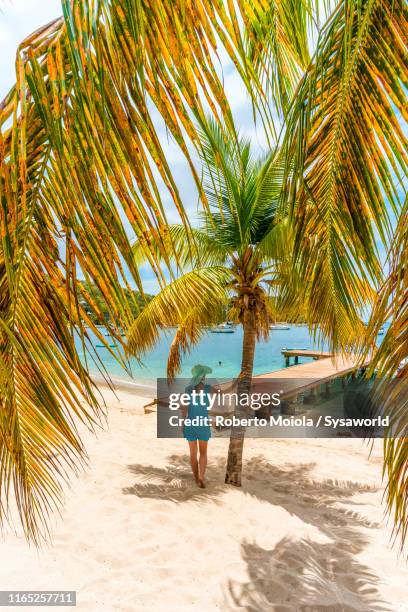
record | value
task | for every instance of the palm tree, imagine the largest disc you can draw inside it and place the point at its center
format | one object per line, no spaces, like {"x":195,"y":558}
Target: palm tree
{"x":233,"y":259}
{"x":80,"y":152}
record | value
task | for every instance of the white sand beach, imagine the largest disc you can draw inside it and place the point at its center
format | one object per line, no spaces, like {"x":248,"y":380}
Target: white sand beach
{"x":305,"y":532}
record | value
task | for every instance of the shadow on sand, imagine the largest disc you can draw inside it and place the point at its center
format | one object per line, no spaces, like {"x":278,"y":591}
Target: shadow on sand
{"x":295,"y":575}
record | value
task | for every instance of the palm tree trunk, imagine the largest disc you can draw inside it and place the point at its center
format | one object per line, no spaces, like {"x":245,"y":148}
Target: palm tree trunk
{"x":236,"y":445}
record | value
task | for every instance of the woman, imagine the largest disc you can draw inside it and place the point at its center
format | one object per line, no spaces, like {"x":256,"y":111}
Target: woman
{"x":198,"y":435}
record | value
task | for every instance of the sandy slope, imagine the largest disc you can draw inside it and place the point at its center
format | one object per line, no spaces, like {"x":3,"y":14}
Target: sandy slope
{"x":304,"y":533}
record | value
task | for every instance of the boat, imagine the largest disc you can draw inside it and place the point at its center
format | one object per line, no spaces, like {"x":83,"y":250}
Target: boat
{"x":295,"y":348}
{"x":280,"y":326}
{"x":222,"y":328}
{"x":112,"y":336}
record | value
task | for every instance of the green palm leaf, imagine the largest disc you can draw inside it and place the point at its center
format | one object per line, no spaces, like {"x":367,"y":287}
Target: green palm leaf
{"x":184,"y":246}
{"x":191,"y":301}
{"x":277,"y":46}
{"x":347,"y":146}
{"x":392,"y":305}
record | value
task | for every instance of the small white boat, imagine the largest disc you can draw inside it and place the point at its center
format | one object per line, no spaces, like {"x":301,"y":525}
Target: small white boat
{"x":280,"y":326}
{"x":222,"y":328}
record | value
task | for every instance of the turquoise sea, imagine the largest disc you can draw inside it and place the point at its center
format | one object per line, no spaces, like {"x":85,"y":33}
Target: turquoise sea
{"x":213,"y":349}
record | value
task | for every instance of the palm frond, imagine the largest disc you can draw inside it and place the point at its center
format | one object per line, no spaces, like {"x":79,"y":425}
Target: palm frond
{"x":190,"y":300}
{"x":191,"y":329}
{"x":185,"y":246}
{"x":276,"y":45}
{"x":347,"y":145}
{"x":243,"y":191}
{"x":390,"y":364}
{"x":276,"y":244}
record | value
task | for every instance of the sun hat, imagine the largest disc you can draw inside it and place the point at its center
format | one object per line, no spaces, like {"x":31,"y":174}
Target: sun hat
{"x":199,"y":371}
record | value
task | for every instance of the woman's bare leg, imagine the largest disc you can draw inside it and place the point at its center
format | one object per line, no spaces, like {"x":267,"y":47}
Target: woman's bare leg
{"x":193,"y":459}
{"x":202,"y":463}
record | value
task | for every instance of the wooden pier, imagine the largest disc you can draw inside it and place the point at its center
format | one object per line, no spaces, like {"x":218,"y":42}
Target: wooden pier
{"x":297,"y":379}
{"x":310,"y":379}
{"x":296,"y":353}
{"x":323,"y":370}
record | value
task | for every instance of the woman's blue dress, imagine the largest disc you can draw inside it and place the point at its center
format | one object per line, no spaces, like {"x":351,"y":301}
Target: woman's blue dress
{"x":198,"y":432}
